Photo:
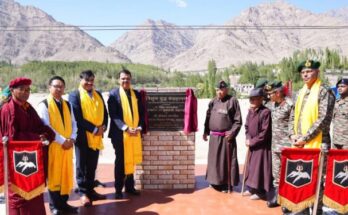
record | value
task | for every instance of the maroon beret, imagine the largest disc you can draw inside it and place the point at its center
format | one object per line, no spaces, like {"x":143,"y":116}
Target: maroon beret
{"x":19,"y":82}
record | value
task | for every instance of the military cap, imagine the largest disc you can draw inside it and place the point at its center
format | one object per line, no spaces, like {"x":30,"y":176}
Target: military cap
{"x":342,"y":81}
{"x":256,"y":92}
{"x":261,"y":83}
{"x":19,"y":82}
{"x":308,"y":64}
{"x":270,"y":87}
{"x":221,"y":84}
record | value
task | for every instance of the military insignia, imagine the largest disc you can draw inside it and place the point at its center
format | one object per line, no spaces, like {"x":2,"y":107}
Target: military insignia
{"x":340,"y":173}
{"x":25,"y":162}
{"x":298,"y":172}
{"x":268,"y":87}
{"x":308,"y":64}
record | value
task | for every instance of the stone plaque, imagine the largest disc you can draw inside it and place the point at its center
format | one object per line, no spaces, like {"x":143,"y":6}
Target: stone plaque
{"x":166,"y":111}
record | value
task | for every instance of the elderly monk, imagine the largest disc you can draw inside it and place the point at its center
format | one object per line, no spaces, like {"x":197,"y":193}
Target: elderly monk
{"x":223,"y":122}
{"x":19,"y":121}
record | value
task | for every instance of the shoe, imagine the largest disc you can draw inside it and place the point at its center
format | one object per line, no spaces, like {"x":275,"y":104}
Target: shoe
{"x":55,"y":211}
{"x":272,"y":204}
{"x":85,"y":201}
{"x":257,"y":196}
{"x":70,"y":209}
{"x":133,"y":192}
{"x":246,"y":193}
{"x":118,"y":195}
{"x":285,"y":210}
{"x":96,"y":196}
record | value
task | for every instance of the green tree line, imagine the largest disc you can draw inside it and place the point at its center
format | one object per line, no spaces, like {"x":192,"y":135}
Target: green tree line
{"x":151,"y":76}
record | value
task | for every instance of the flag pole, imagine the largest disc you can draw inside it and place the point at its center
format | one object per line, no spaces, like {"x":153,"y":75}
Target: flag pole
{"x":5,"y":143}
{"x":323,"y":151}
{"x":244,"y":169}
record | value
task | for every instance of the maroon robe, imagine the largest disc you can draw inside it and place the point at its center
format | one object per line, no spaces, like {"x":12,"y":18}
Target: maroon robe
{"x":258,"y":128}
{"x":20,"y":124}
{"x":223,"y":116}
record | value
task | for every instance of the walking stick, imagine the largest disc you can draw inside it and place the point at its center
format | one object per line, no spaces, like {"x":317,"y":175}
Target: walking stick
{"x":244,"y":169}
{"x":228,"y":145}
{"x":324,"y":150}
{"x":5,"y":142}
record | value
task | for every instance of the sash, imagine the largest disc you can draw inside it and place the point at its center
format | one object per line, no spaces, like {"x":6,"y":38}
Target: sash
{"x":93,"y":111}
{"x":60,"y":161}
{"x":309,"y":114}
{"x":131,"y":144}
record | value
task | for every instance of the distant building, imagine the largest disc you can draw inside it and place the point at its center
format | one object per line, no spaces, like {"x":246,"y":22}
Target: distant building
{"x":243,"y":89}
{"x":334,"y":74}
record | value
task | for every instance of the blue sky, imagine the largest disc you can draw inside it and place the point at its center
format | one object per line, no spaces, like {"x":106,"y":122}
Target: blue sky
{"x":134,"y":12}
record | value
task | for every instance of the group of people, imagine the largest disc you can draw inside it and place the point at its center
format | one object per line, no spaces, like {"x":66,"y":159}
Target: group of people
{"x":78,"y":122}
{"x":273,"y":123}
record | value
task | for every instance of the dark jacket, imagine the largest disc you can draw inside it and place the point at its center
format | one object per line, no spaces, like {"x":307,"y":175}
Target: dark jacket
{"x":82,"y":124}
{"x":116,"y":114}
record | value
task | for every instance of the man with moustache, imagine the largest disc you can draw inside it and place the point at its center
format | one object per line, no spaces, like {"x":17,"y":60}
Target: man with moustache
{"x":310,"y":121}
{"x":222,"y":123}
{"x":19,"y":121}
{"x":127,"y":121}
{"x":92,"y":118}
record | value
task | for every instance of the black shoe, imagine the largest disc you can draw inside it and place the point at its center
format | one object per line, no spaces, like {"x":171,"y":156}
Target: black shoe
{"x":70,"y":209}
{"x":133,"y":192}
{"x":285,"y":210}
{"x":118,"y":195}
{"x":55,"y":211}
{"x":272,"y":204}
{"x":96,"y":196}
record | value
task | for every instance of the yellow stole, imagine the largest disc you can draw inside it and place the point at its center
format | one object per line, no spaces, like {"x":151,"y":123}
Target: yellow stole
{"x":310,"y":113}
{"x":92,"y":111}
{"x":131,"y":144}
{"x":60,"y":161}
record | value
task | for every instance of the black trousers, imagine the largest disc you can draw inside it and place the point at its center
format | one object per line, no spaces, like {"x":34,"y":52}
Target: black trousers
{"x":121,"y":179}
{"x":56,"y":200}
{"x":86,"y":165}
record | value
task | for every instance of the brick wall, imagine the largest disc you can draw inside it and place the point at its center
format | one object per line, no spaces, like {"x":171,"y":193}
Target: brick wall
{"x":168,"y":161}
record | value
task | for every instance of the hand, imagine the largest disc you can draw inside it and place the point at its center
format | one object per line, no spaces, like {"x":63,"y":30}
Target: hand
{"x":247,"y":143}
{"x":43,"y":137}
{"x":299,"y":143}
{"x":132,"y":131}
{"x":100,"y":131}
{"x":205,"y":137}
{"x":294,"y":138}
{"x":67,"y":144}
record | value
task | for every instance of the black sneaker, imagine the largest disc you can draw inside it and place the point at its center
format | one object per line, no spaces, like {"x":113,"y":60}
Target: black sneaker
{"x":118,"y":195}
{"x":133,"y":192}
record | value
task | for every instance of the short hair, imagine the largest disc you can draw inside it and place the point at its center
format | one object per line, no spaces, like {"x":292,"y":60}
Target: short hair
{"x":56,"y":78}
{"x":124,"y":71}
{"x":86,"y":74}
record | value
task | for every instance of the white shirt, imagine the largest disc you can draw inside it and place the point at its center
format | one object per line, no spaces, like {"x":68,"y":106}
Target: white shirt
{"x":43,"y":113}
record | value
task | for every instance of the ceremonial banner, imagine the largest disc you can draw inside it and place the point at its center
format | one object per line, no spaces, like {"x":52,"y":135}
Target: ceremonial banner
{"x":298,"y":178}
{"x":1,"y":168}
{"x":336,"y":185}
{"x":26,"y":168}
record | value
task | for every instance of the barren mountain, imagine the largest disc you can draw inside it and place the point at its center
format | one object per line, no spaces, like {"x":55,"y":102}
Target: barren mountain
{"x":260,"y":44}
{"x":340,"y":13}
{"x":155,"y":46}
{"x":28,"y":33}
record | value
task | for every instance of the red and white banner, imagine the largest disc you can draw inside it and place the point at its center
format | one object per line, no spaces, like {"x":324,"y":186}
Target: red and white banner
{"x":1,"y":168}
{"x":26,"y":168}
{"x":298,"y":178}
{"x":336,"y":184}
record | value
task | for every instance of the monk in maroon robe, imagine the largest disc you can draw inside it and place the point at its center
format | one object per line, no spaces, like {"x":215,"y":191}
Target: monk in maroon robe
{"x":258,"y":128}
{"x":19,"y":121}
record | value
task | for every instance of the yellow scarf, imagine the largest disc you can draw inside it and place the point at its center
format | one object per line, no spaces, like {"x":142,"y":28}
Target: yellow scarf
{"x":131,"y":144}
{"x":92,"y":111}
{"x":60,"y":161}
{"x":310,"y":113}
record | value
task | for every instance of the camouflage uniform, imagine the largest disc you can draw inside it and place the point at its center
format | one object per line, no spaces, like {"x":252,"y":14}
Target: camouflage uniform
{"x":340,"y":122}
{"x":280,"y":136}
{"x":326,"y":100}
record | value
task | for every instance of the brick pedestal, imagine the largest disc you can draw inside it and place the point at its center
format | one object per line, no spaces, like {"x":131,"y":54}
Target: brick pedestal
{"x":168,"y":161}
